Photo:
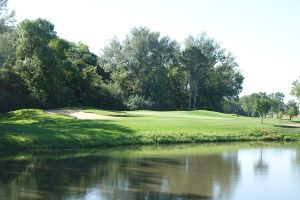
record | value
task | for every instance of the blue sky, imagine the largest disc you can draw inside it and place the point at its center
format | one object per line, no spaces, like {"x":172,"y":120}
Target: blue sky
{"x":264,"y":35}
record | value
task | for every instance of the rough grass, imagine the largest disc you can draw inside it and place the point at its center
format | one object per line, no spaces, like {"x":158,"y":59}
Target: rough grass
{"x":32,"y":128}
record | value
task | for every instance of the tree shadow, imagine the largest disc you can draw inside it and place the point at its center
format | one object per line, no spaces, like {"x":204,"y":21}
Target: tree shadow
{"x":51,"y":130}
{"x":293,"y":121}
{"x":112,"y":113}
{"x":166,"y":196}
{"x":286,"y":126}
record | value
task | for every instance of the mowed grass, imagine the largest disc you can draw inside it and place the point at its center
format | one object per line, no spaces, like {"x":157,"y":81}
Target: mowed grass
{"x":33,"y":128}
{"x":200,"y":121}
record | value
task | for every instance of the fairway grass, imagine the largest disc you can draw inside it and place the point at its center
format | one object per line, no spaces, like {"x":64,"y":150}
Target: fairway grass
{"x":33,"y":128}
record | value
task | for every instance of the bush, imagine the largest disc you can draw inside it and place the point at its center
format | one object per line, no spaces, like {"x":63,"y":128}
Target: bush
{"x":8,"y":101}
{"x":112,"y":97}
{"x":137,"y":102}
{"x":232,"y":107}
{"x":280,"y":115}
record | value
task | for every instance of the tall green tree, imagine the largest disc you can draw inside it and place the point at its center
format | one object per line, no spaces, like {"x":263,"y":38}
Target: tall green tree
{"x":11,"y":87}
{"x":292,"y":109}
{"x":196,"y":65}
{"x":36,"y":64}
{"x":226,"y":85}
{"x":247,"y":103}
{"x":142,"y":65}
{"x":7,"y":18}
{"x":277,"y":102}
{"x":233,"y":107}
{"x":262,"y":105}
{"x":213,"y":73}
{"x":296,"y":88}
{"x":81,"y":74}
{"x":178,"y":87}
{"x":38,"y":68}
{"x":6,"y":32}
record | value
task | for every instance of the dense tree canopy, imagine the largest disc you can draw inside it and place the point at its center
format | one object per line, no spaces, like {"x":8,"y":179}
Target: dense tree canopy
{"x":36,"y":64}
{"x":145,"y":65}
{"x":201,"y":75}
{"x":212,"y":73}
{"x":296,"y":88}
{"x":146,"y":70}
{"x":277,"y":103}
{"x":292,"y":109}
{"x":256,"y":104}
{"x":45,"y":70}
{"x":262,"y":104}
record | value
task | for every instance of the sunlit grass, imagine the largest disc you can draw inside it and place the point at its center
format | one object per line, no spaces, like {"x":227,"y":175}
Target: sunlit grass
{"x":33,"y":128}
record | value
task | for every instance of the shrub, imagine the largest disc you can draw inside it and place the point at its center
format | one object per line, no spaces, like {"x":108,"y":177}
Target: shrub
{"x":280,"y":115}
{"x":112,"y":97}
{"x":8,"y":101}
{"x":136,"y":102}
{"x":232,"y":107}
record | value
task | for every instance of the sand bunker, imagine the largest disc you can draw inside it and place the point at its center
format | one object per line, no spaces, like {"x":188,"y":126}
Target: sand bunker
{"x":79,"y":114}
{"x":292,"y":125}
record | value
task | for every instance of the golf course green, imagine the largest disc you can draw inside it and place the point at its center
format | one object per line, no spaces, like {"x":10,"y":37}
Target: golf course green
{"x":34,"y":128}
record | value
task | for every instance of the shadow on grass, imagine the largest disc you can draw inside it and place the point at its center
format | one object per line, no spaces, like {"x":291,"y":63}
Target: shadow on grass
{"x":112,"y":113}
{"x":286,"y":126}
{"x":293,"y":121}
{"x":47,"y":131}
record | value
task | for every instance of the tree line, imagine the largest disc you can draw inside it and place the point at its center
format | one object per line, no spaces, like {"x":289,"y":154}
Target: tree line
{"x":260,"y":104}
{"x":144,"y":71}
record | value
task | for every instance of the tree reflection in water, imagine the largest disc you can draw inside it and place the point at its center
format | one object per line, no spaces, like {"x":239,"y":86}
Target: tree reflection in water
{"x":261,"y":167}
{"x":124,"y":177}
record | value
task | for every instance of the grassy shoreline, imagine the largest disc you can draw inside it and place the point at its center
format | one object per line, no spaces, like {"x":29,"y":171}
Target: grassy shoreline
{"x":136,"y":151}
{"x":34,"y":129}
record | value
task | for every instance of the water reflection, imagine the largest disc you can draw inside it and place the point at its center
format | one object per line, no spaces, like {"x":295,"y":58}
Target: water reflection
{"x":261,"y":167}
{"x":179,"y":173}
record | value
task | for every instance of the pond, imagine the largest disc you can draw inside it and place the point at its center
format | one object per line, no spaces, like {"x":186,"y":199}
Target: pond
{"x":236,"y":171}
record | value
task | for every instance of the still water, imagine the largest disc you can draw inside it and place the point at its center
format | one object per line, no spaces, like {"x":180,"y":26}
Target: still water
{"x":182,"y":172}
